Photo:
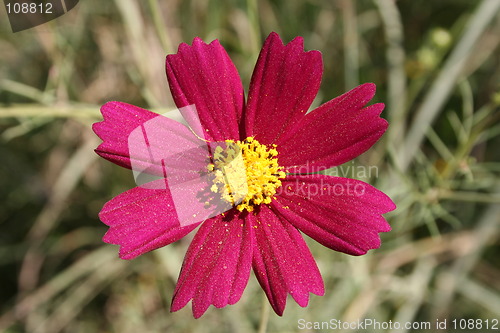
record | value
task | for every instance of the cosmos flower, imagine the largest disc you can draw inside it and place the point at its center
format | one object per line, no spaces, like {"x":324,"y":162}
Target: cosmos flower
{"x":271,"y":195}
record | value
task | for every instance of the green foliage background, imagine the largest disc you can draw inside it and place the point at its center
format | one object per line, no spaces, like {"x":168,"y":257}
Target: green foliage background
{"x":436,"y":66}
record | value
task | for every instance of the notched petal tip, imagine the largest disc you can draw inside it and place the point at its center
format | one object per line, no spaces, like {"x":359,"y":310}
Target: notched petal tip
{"x":284,"y":83}
{"x":335,"y":132}
{"x":216,"y":267}
{"x":282,"y":261}
{"x":105,"y":110}
{"x":197,"y":42}
{"x":141,"y":220}
{"x":297,"y":42}
{"x":203,"y":75}
{"x":347,"y":219}
{"x":273,"y":37}
{"x":97,"y":129}
{"x":119,"y":120}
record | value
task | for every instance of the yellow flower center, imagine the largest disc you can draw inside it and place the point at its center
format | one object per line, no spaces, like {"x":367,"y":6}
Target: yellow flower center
{"x":245,"y":173}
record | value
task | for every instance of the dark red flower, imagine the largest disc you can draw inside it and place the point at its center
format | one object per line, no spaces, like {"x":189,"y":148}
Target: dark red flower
{"x":278,"y":144}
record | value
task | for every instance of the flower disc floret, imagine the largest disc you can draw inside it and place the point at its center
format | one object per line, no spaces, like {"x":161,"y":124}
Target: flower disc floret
{"x":246,"y":173}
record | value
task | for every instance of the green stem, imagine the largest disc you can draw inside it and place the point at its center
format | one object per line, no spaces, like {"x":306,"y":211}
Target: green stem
{"x":264,"y":316}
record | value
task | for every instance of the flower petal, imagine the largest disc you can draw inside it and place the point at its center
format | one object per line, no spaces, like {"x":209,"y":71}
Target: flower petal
{"x":340,"y":213}
{"x":142,"y":140}
{"x":217,"y":264}
{"x":282,"y":261}
{"x":334,"y":133}
{"x":203,"y":75}
{"x":142,"y":220}
{"x":284,"y":83}
{"x":120,"y":119}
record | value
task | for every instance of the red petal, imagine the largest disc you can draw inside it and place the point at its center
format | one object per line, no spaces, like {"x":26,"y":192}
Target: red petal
{"x":203,"y":75}
{"x":120,"y":119}
{"x":284,"y":83}
{"x":334,"y":133}
{"x":282,"y":261}
{"x":142,"y":220}
{"x":340,"y":213}
{"x":217,"y":264}
{"x":142,"y":140}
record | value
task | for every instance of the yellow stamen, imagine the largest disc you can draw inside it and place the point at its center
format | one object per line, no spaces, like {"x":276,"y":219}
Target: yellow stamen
{"x":246,"y":173}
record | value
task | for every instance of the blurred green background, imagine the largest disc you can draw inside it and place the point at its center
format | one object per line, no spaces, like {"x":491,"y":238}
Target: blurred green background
{"x":437,"y":67}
